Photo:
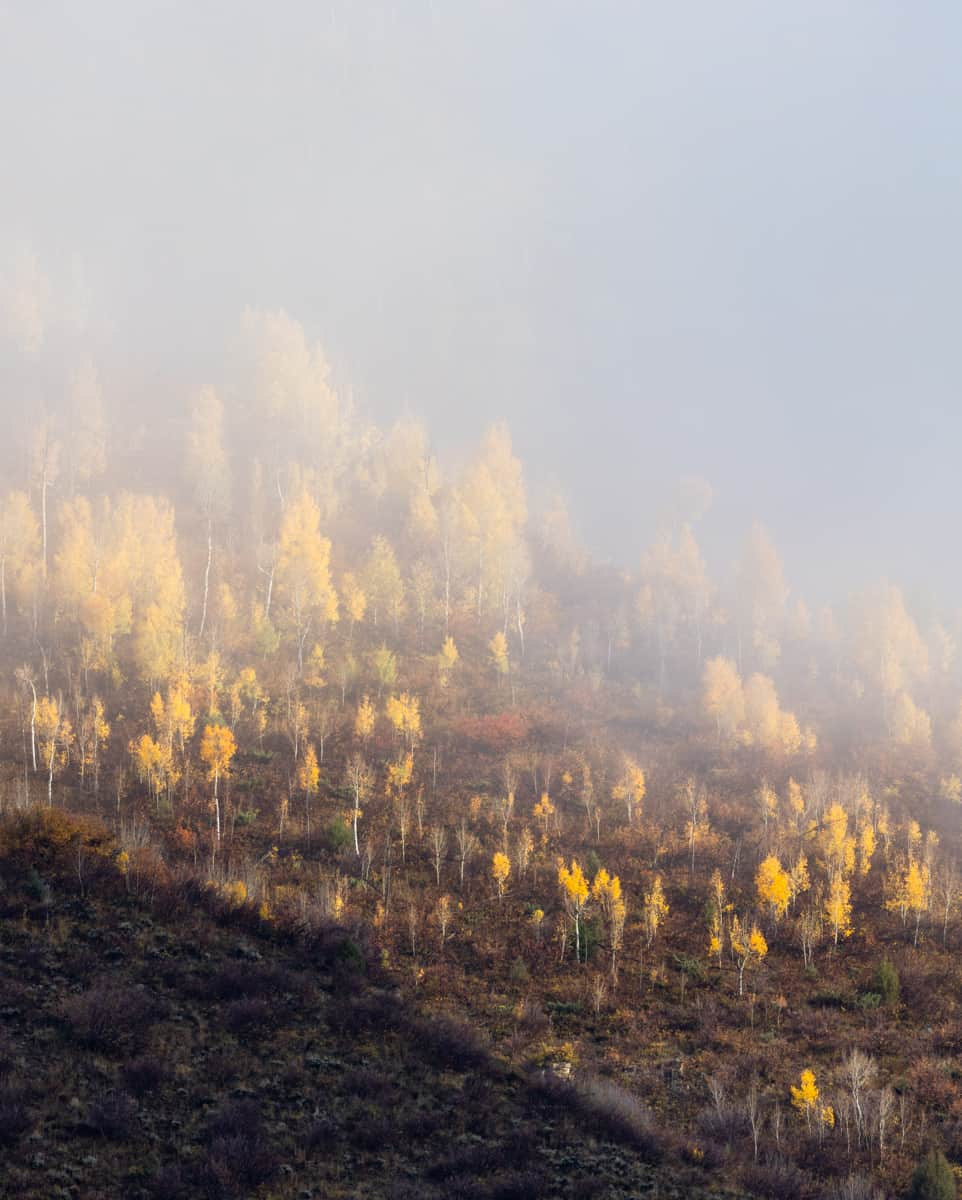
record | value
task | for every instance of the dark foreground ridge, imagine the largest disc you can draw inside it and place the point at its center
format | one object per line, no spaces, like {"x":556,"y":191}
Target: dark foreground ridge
{"x":166,"y":1041}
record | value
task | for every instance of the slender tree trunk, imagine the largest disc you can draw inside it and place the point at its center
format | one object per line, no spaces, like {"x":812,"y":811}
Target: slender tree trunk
{"x":33,"y":728}
{"x":210,"y":552}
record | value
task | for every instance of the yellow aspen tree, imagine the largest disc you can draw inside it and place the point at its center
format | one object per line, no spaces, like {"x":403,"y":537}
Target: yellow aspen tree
{"x":654,"y":910}
{"x":314,"y":667}
{"x":447,"y":660}
{"x":365,"y":719}
{"x":100,"y":732}
{"x":500,"y":869}
{"x":308,"y":778}
{"x":748,"y":946}
{"x":384,"y":665}
{"x":210,"y":676}
{"x":767,"y":800}
{"x":790,"y":738}
{"x":148,"y":757}
{"x":796,"y":802}
{"x":574,"y":893}
{"x":717,"y":908}
{"x":866,"y":848}
{"x":723,"y":697}
{"x":55,"y":734}
{"x":245,"y":695}
{"x":761,"y":713}
{"x":836,"y":844}
{"x":909,"y":725}
{"x":838,"y":907}
{"x":217,"y":750}
{"x":498,"y":655}
{"x":606,"y":892}
{"x":798,"y":879}
{"x":950,"y":788}
{"x":174,"y":723}
{"x":913,"y":895}
{"x":303,"y":570}
{"x":146,"y":560}
{"x":404,"y":713}
{"x":383,"y":583}
{"x":543,"y":812}
{"x":773,"y":885}
{"x":805,"y":1096}
{"x":494,"y":510}
{"x":630,"y":789}
{"x":92,"y":732}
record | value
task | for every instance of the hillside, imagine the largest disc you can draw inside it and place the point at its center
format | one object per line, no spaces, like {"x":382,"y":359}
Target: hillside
{"x":172,"y":1045}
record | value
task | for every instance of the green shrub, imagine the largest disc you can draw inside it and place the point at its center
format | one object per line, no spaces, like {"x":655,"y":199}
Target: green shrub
{"x":887,"y":983}
{"x":933,"y":1179}
{"x":338,"y":834}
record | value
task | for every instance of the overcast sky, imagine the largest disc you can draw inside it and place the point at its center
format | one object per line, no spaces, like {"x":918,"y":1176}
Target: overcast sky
{"x":660,"y":239}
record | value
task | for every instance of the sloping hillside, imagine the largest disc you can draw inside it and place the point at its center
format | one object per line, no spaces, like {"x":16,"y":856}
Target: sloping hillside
{"x":169,"y":1043}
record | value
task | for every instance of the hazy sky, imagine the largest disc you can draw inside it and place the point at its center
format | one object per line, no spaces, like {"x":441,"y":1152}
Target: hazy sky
{"x":661,"y":239}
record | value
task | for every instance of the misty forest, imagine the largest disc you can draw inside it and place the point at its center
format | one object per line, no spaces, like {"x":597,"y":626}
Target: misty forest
{"x":367,"y":830}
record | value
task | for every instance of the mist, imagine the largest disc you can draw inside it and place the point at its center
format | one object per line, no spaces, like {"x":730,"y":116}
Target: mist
{"x":480,"y":637}
{"x":711,"y":242}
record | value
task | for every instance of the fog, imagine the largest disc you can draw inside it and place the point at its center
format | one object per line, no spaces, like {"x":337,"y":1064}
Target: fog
{"x":660,"y":241}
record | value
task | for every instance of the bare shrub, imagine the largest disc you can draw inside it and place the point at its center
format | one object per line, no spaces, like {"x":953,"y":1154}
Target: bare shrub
{"x":113,"y":1115}
{"x":106,"y":1016}
{"x":14,"y":1115}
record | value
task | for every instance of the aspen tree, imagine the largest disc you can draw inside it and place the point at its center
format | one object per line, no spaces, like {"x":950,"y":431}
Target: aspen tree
{"x":630,"y":789}
{"x":773,"y":885}
{"x":717,"y":908}
{"x":606,"y":892}
{"x":498,"y":654}
{"x":654,"y":910}
{"x":447,"y":660}
{"x":838,"y":907}
{"x":722,"y":696}
{"x":303,"y":570}
{"x":575,"y":893}
{"x":217,"y":749}
{"x":365,"y":719}
{"x":308,"y":777}
{"x":749,"y":948}
{"x":404,"y":713}
{"x":359,"y":780}
{"x":805,"y":1096}
{"x":355,"y":601}
{"x":55,"y":734}
{"x":383,"y":584}
{"x":500,"y":869}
